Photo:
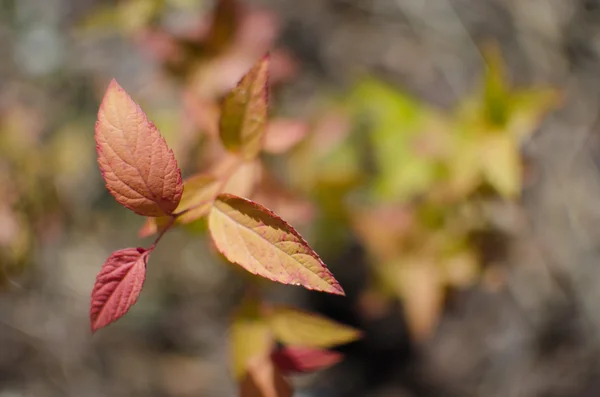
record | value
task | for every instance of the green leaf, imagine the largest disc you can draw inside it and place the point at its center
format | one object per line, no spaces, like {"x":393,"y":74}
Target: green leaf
{"x":299,"y":328}
{"x":261,"y":242}
{"x":250,"y":336}
{"x":244,"y":112}
{"x":396,"y":124}
{"x":496,"y":92}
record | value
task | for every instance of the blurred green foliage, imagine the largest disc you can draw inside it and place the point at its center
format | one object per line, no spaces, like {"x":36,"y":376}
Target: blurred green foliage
{"x":413,"y":181}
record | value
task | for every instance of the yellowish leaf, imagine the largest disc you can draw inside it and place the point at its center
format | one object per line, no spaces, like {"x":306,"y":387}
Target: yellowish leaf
{"x":501,"y":162}
{"x":298,"y":328}
{"x":257,"y":239}
{"x":243,"y":120}
{"x":250,"y":337}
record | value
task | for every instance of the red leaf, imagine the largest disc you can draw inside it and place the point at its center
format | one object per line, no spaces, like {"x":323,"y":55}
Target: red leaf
{"x":118,"y":285}
{"x":138,"y":167}
{"x":244,"y":112}
{"x":261,"y":242}
{"x":304,"y":359}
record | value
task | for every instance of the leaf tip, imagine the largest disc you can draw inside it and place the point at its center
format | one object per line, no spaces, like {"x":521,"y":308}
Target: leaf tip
{"x":114,"y":85}
{"x":338,"y":290}
{"x":334,"y":287}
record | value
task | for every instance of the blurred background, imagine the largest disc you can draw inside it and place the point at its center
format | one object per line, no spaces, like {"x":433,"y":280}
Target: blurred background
{"x":440,"y":155}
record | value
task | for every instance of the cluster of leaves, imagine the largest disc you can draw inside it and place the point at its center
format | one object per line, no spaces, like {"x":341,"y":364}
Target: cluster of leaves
{"x":141,"y":172}
{"x":414,"y":183}
{"x":205,"y":61}
{"x":269,"y":342}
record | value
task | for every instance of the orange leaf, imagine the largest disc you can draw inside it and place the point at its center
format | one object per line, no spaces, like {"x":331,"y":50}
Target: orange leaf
{"x":244,"y":112}
{"x":118,"y":286}
{"x":138,"y":167}
{"x":261,"y":242}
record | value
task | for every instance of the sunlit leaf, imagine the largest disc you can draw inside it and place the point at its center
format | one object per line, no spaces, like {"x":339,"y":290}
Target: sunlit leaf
{"x":244,"y":112}
{"x":255,"y":238}
{"x":299,"y":328}
{"x":304,"y":359}
{"x":138,"y":167}
{"x":118,"y":286}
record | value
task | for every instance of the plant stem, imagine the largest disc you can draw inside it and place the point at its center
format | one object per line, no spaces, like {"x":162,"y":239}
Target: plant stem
{"x":162,"y":232}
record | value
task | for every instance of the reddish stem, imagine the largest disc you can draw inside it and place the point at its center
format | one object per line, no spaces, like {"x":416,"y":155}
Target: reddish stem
{"x":162,"y":232}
